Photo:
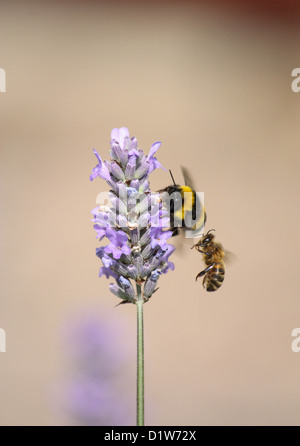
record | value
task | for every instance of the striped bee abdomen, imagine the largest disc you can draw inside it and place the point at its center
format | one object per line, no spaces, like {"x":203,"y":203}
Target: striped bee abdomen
{"x":214,"y":278}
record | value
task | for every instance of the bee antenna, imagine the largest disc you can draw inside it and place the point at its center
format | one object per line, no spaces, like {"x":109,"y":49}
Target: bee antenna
{"x":172,"y":177}
{"x":210,"y":231}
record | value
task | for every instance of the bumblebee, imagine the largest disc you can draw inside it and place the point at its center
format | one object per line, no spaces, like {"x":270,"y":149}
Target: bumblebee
{"x":213,"y":257}
{"x":186,"y":211}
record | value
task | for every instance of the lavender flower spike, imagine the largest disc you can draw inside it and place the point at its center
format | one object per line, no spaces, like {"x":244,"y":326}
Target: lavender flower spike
{"x":137,"y":249}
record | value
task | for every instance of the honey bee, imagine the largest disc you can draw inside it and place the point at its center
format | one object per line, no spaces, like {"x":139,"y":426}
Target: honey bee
{"x":213,"y":257}
{"x":186,"y":210}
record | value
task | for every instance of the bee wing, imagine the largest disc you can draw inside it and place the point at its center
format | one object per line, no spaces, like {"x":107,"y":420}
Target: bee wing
{"x":230,"y":257}
{"x":198,"y":230}
{"x":179,"y":245}
{"x":187,"y":178}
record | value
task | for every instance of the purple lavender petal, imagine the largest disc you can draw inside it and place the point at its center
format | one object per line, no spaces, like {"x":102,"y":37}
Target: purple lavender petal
{"x":100,"y":252}
{"x":117,"y":172}
{"x":131,"y":191}
{"x":119,"y":135}
{"x":123,"y":133}
{"x":148,"y":252}
{"x":100,"y":231}
{"x":122,"y":221}
{"x":126,"y":286}
{"x":117,"y":291}
{"x":95,"y":173}
{"x":102,"y":218}
{"x":126,"y":250}
{"x":134,"y":144}
{"x":154,"y":164}
{"x":169,"y":250}
{"x":144,"y":220}
{"x":146,"y":269}
{"x":134,"y":152}
{"x":107,"y":261}
{"x":114,"y":250}
{"x":115,"y":134}
{"x":119,"y":268}
{"x":118,"y":243}
{"x":151,"y":283}
{"x":143,"y":169}
{"x":130,"y":168}
{"x":132,"y":272}
{"x":144,"y":186}
{"x":103,"y":255}
{"x":119,"y":154}
{"x":135,"y":184}
{"x":118,"y":206}
{"x":118,"y":237}
{"x":138,"y":261}
{"x":107,"y":272}
{"x":122,"y":191}
{"x":145,"y":239}
{"x":116,"y":152}
{"x":100,"y":170}
{"x":95,"y":211}
{"x":155,"y":146}
{"x":159,"y":237}
{"x":168,"y":266}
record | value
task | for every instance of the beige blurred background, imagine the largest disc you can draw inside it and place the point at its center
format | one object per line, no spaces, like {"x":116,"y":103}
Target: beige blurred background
{"x":214,"y":86}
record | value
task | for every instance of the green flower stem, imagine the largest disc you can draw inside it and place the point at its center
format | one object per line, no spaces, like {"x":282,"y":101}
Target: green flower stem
{"x":140,"y":358}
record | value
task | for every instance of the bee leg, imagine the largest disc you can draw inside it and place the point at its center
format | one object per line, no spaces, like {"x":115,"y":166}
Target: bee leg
{"x":208,"y":254}
{"x":205,"y":270}
{"x":175,"y":231}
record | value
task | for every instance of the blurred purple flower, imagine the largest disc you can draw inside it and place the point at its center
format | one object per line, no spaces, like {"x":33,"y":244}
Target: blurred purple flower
{"x":91,"y":403}
{"x":93,"y":394}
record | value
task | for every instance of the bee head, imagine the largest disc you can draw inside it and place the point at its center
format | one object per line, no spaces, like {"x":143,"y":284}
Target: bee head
{"x":207,"y":238}
{"x":170,"y":189}
{"x":172,"y":195}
